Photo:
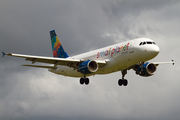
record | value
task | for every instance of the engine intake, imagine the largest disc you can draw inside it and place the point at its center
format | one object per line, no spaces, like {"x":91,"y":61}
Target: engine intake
{"x":88,"y":67}
{"x":146,"y":70}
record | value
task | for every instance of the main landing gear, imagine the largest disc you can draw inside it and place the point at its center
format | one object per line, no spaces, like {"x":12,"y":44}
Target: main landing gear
{"x":84,"y":80}
{"x":123,"y":81}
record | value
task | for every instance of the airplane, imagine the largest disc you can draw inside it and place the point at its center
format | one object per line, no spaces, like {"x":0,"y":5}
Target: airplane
{"x":132,"y":54}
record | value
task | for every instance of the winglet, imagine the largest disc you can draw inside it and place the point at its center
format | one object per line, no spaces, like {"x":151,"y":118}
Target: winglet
{"x":173,"y":62}
{"x":3,"y":54}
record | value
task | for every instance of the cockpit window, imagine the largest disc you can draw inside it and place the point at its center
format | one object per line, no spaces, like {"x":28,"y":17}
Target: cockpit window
{"x":143,"y":43}
{"x":148,"y":42}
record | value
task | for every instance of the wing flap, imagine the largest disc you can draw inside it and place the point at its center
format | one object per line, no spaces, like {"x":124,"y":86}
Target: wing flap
{"x":40,"y":66}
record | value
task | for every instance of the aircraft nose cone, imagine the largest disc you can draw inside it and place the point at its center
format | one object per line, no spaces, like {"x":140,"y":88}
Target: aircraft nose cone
{"x":154,"y":50}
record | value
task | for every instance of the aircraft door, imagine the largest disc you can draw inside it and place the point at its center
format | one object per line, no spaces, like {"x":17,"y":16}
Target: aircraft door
{"x":131,"y":48}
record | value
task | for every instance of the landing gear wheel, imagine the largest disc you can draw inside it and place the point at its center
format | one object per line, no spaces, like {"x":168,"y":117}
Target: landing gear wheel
{"x":125,"y":82}
{"x":82,"y":80}
{"x":120,"y":82}
{"x":86,"y":81}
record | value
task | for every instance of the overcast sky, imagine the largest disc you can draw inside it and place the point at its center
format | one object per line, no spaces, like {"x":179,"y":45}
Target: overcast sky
{"x":84,"y":25}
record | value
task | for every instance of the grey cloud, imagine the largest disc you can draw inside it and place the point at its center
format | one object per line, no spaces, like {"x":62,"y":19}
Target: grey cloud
{"x":29,"y":93}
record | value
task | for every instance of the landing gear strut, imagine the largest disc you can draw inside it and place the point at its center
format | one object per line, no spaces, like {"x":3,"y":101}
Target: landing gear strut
{"x":123,"y":81}
{"x":84,"y":80}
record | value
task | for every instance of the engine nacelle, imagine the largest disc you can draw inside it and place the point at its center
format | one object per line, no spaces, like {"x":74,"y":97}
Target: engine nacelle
{"x":88,"y":67}
{"x":147,"y":69}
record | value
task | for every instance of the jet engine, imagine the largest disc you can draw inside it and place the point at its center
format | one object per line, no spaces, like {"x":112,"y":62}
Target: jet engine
{"x":88,"y":67}
{"x":146,"y":69}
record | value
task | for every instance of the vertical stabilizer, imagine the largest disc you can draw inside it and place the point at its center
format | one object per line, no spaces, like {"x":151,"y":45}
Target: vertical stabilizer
{"x":57,"y":48}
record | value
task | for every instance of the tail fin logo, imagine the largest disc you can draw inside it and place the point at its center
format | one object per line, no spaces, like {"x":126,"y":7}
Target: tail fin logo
{"x":57,"y":48}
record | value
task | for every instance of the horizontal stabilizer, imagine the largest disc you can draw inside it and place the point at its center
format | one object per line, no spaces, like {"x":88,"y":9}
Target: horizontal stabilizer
{"x":40,"y":66}
{"x":3,"y":54}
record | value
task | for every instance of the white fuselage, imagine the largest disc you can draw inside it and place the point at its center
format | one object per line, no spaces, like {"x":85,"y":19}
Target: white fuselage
{"x":118,"y":57}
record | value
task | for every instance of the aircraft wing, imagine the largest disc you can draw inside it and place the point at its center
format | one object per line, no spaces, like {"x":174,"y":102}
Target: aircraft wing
{"x":158,"y":63}
{"x":155,"y":63}
{"x":41,"y":66}
{"x":51,"y":60}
